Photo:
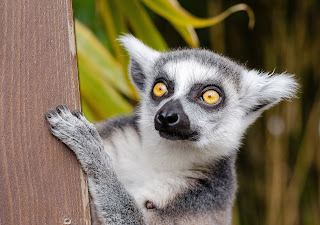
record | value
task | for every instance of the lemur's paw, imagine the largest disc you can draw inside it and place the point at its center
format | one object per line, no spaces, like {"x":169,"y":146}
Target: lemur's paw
{"x":92,"y":129}
{"x":72,"y":128}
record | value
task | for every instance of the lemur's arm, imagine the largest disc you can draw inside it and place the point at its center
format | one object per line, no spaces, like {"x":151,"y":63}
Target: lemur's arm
{"x":113,"y":203}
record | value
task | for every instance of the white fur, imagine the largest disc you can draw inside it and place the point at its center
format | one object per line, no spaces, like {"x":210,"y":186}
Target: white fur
{"x":185,"y":154}
{"x":189,"y":72}
{"x":258,"y":87}
{"x":137,"y":49}
{"x":137,"y":169}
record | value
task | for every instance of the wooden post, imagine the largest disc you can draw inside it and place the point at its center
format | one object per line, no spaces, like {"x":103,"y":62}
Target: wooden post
{"x":41,"y":181}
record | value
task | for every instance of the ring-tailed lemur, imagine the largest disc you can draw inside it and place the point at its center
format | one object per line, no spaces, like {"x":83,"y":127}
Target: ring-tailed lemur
{"x":172,"y":161}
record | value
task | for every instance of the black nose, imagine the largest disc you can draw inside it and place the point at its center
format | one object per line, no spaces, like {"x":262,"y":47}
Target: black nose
{"x":171,"y":116}
{"x":166,"y":118}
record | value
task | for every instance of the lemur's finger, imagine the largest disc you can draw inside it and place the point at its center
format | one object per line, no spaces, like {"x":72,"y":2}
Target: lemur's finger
{"x":63,"y":110}
{"x":62,"y":107}
{"x":77,"y":114}
{"x":50,"y":114}
{"x":52,"y":117}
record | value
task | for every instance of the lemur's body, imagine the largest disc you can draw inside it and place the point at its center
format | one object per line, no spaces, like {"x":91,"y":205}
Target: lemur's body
{"x":172,"y":162}
{"x":181,"y":193}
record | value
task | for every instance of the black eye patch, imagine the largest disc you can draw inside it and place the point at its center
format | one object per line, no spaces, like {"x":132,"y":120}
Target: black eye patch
{"x":196,"y":95}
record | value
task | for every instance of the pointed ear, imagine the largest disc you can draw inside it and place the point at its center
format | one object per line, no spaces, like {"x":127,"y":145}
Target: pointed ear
{"x":260,"y":91}
{"x":142,"y":59}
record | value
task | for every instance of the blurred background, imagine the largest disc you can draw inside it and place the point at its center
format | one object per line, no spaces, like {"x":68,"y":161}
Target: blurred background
{"x":279,"y":164}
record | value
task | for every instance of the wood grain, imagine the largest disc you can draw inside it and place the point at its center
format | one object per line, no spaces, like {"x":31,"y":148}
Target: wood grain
{"x":40,"y":179}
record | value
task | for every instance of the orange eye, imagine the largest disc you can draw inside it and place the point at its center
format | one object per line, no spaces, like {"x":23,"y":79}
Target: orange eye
{"x":210,"y":97}
{"x":159,"y":89}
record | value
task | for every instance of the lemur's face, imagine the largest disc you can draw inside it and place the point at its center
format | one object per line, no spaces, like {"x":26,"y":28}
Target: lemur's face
{"x":199,"y":97}
{"x":192,"y":95}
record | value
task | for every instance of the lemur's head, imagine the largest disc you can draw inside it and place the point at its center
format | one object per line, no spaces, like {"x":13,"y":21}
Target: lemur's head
{"x":200,"y":98}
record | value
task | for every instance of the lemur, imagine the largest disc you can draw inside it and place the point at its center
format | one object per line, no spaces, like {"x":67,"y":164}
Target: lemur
{"x":173,"y":160}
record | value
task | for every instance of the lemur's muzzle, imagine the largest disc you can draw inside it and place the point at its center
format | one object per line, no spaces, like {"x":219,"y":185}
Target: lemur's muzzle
{"x":173,"y":123}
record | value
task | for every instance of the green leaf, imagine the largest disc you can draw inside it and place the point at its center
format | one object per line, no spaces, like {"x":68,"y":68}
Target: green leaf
{"x":172,"y":11}
{"x":103,"y":100}
{"x":87,"y":111}
{"x":101,"y":62}
{"x":113,"y":21}
{"x":142,"y":25}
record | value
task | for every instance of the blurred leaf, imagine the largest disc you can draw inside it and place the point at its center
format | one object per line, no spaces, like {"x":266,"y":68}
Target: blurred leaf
{"x":101,"y":62}
{"x":142,"y":25}
{"x":88,"y":111}
{"x":84,"y":11}
{"x":172,"y":11}
{"x":189,"y":35}
{"x":96,"y":92}
{"x":113,"y":21}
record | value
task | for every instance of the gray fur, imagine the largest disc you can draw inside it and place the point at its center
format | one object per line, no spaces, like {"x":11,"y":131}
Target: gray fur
{"x":108,"y":127}
{"x":137,"y":74}
{"x":225,"y":66}
{"x":142,"y":171}
{"x":214,"y":192}
{"x":113,"y":204}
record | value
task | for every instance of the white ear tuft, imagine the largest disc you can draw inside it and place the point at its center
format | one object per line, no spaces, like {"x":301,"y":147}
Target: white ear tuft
{"x":142,"y":59}
{"x":260,"y":91}
{"x":137,"y":50}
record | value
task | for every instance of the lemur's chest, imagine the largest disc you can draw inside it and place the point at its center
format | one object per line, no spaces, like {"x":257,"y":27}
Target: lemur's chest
{"x":148,"y":185}
{"x":162,"y":187}
{"x":144,"y":181}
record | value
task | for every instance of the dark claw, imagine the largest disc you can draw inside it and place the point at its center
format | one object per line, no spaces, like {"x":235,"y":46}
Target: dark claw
{"x":50,"y":113}
{"x":61,"y":108}
{"x":77,"y":113}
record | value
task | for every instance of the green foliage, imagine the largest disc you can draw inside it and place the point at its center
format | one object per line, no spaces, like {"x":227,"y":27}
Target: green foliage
{"x":278,"y":174}
{"x":104,"y":84}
